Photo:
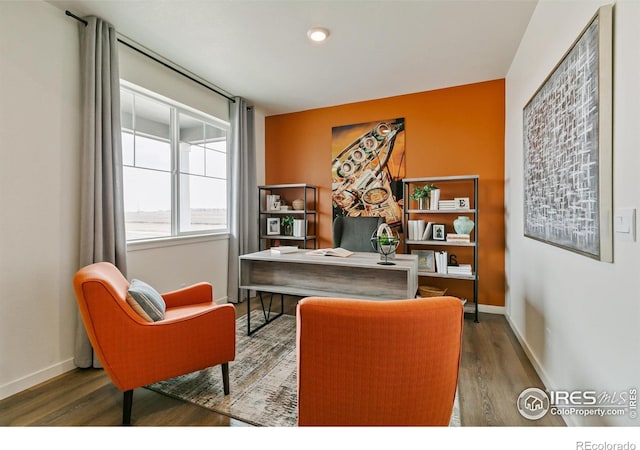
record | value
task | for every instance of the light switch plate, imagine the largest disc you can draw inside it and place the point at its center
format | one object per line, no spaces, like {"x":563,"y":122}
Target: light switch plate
{"x":624,"y":224}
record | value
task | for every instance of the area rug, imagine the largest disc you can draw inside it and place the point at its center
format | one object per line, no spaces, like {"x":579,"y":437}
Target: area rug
{"x":262,"y":377}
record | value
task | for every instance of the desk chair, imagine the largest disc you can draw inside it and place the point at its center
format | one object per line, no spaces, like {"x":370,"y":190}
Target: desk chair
{"x":378,"y":363}
{"x":354,"y":233}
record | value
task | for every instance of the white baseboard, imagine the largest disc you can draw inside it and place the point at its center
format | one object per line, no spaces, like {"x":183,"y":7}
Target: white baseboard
{"x":31,"y":380}
{"x":46,"y":374}
{"x":491,"y":309}
{"x":544,"y":377}
{"x":527,"y":350}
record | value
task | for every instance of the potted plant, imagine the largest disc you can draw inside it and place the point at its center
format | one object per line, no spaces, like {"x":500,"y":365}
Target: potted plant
{"x":422,"y":194}
{"x":287,"y":225}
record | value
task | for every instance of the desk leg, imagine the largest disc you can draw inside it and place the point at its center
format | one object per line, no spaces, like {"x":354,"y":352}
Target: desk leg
{"x":248,"y":312}
{"x":265,"y":312}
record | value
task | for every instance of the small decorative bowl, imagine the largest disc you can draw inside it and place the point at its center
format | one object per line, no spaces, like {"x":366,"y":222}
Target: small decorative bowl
{"x":298,"y":204}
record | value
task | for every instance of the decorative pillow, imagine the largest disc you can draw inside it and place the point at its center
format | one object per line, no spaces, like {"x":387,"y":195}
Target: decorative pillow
{"x":146,"y":301}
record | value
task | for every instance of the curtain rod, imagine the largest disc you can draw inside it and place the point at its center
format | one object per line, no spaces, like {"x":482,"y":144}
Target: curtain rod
{"x":168,"y":66}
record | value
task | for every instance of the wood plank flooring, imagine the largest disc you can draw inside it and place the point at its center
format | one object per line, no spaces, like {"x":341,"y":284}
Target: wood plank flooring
{"x":494,"y":370}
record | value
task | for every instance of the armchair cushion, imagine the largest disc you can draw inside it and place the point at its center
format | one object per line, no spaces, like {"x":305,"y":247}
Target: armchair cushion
{"x":146,"y":301}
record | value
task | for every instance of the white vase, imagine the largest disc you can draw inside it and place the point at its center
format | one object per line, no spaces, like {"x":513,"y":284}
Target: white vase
{"x":463,"y":225}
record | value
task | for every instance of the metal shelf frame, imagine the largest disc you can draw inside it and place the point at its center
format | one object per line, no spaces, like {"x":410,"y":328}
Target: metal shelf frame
{"x":309,"y":194}
{"x":407,"y":184}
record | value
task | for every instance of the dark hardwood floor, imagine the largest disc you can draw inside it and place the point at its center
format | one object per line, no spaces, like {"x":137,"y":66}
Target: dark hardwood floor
{"x":494,"y":370}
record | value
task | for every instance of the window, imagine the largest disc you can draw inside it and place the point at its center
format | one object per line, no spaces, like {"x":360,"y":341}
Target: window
{"x":175,"y":168}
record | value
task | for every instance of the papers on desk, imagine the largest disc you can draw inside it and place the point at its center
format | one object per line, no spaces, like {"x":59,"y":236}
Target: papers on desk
{"x":284,"y":249}
{"x":340,"y":252}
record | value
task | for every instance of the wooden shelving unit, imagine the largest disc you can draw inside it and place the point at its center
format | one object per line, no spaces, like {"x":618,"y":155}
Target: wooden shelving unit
{"x":306,"y":192}
{"x":445,"y":216}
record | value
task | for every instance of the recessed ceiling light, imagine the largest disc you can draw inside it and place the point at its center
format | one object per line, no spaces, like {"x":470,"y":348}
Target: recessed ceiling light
{"x":318,"y":34}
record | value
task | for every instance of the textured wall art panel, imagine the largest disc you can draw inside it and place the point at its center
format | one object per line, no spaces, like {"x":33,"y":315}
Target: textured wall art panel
{"x":562,"y":147}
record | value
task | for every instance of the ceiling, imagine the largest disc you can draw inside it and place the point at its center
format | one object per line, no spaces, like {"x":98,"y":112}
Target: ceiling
{"x":259,"y":50}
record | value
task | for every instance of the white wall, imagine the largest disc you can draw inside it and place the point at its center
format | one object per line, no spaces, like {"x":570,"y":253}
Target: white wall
{"x":173,"y":265}
{"x":40,"y":196}
{"x":39,"y":192}
{"x":577,"y":318}
{"x":145,"y":72}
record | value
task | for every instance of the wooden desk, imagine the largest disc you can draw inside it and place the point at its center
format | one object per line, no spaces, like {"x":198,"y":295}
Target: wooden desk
{"x":358,"y":276}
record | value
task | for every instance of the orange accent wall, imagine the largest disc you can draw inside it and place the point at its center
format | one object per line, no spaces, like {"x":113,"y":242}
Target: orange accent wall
{"x":452,"y":131}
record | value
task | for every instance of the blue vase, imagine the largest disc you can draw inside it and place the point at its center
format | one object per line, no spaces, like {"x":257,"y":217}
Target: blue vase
{"x":463,"y":225}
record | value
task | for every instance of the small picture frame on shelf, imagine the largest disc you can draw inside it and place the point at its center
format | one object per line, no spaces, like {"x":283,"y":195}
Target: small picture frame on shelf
{"x":426,"y":260}
{"x":273,"y":226}
{"x":462,"y":202}
{"x":273,"y":202}
{"x":439,"y":232}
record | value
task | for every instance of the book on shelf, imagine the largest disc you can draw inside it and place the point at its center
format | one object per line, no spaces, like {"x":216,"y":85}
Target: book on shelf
{"x":460,"y":269}
{"x":299,"y":227}
{"x":427,"y":231}
{"x":420,"y":226}
{"x":441,"y":258}
{"x":453,"y":237}
{"x":339,"y":251}
{"x":411,"y":231}
{"x":284,"y":249}
{"x":435,"y":199}
{"x":447,"y":205}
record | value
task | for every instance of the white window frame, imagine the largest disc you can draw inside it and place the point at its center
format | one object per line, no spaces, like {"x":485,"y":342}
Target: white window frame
{"x":178,"y":236}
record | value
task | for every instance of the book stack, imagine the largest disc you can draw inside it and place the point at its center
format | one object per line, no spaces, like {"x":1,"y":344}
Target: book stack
{"x":460,"y":269}
{"x":415,"y":229}
{"x":441,"y":258}
{"x":452,"y":237}
{"x":447,"y":205}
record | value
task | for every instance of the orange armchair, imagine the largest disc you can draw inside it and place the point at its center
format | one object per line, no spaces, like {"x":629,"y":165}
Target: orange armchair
{"x":383,"y":363}
{"x":195,"y":333}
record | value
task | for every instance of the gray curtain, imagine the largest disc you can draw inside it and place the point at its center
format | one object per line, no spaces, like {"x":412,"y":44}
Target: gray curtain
{"x":102,"y":234}
{"x":243,"y":198}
